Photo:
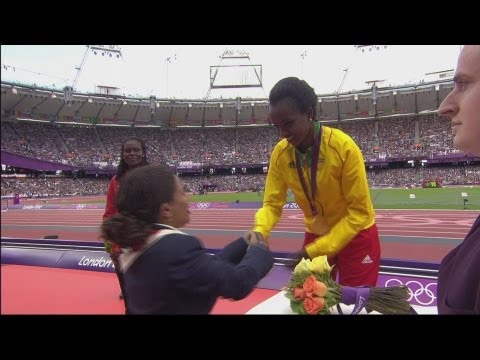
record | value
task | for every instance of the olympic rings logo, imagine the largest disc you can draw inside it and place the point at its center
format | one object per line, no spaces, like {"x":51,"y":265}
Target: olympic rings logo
{"x":423,"y":295}
{"x":203,"y":206}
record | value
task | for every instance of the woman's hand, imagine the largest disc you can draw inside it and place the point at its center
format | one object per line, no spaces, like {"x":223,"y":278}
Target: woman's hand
{"x":254,"y":238}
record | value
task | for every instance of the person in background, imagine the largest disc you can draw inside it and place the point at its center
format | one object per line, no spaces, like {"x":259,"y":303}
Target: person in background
{"x":458,"y":289}
{"x":133,"y":154}
{"x":325,"y":170}
{"x":165,"y":270}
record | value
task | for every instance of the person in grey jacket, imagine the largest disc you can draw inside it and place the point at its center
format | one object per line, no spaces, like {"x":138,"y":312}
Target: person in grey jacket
{"x":459,"y":272}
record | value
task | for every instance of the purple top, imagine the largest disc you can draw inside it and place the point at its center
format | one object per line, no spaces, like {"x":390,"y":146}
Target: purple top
{"x":355,"y":295}
{"x":459,"y":277}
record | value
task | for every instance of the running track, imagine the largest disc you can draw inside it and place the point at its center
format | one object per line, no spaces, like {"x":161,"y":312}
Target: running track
{"x":422,"y":235}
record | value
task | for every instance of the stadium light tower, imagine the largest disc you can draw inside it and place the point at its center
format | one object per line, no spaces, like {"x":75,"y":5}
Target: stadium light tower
{"x":104,"y":50}
{"x":371,"y":47}
{"x":346,"y":70}
{"x":168,"y":60}
{"x":235,"y":72}
{"x":303,"y":56}
{"x":373,"y":84}
{"x":374,"y":93}
{"x":357,"y":48}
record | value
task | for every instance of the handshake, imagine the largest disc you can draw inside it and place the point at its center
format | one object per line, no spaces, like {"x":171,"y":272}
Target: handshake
{"x":255,"y":238}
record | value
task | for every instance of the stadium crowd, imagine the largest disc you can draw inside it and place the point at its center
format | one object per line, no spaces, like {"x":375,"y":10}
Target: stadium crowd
{"x":86,"y":145}
{"x":80,"y":145}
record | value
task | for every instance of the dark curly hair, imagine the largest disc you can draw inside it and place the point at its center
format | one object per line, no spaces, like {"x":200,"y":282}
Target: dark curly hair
{"x":122,"y":167}
{"x":142,"y":191}
{"x":298,"y":91}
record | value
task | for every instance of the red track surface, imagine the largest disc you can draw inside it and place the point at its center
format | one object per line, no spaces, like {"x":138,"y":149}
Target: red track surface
{"x":416,"y":235}
{"x":42,"y":290}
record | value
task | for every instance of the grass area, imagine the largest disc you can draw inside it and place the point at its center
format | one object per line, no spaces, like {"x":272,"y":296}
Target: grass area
{"x":442,"y":198}
{"x":227,"y":197}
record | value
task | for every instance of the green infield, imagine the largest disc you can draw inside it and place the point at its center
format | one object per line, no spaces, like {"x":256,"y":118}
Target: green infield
{"x":416,"y":198}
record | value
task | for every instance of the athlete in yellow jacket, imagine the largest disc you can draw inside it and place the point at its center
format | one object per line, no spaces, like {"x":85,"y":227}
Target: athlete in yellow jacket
{"x":339,"y":217}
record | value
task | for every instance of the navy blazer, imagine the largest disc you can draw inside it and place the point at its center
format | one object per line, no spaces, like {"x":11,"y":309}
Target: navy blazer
{"x":175,"y":275}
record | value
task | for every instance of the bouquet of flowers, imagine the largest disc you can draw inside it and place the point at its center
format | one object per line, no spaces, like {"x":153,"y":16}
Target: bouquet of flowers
{"x":311,"y":290}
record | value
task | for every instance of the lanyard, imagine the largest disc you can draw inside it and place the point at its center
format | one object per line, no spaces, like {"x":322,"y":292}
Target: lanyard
{"x":313,"y":181}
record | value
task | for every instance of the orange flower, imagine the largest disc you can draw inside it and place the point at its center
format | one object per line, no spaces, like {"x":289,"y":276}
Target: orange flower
{"x":312,"y":286}
{"x":309,"y":284}
{"x":313,"y":305}
{"x":320,"y":289}
{"x":299,"y":294}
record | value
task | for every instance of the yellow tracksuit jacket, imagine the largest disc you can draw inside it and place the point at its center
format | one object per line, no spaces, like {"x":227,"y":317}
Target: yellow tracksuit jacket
{"x":342,"y":197}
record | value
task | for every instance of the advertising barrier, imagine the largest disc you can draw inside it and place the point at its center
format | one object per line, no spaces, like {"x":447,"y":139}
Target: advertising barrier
{"x":420,"y":278}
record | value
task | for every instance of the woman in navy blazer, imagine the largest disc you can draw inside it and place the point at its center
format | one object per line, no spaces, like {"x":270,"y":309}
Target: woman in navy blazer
{"x":167,"y":271}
